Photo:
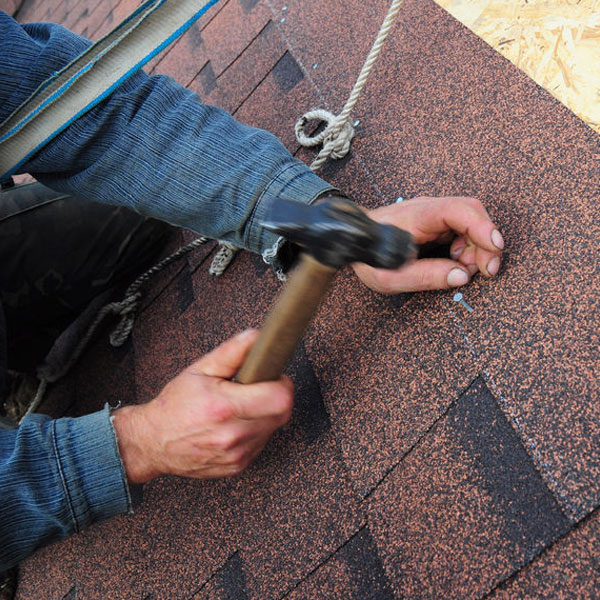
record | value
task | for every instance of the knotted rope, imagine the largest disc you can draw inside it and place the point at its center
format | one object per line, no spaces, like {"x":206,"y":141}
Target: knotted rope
{"x":338,"y":133}
{"x":126,"y":308}
{"x":222,"y":258}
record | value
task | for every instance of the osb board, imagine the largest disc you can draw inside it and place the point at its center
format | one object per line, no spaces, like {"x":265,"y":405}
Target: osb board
{"x":556,"y":42}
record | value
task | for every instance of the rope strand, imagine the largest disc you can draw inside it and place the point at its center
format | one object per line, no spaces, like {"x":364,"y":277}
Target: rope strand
{"x":126,"y":308}
{"x":338,"y":133}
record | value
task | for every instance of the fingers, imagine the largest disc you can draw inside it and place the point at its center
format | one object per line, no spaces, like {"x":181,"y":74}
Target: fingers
{"x":421,"y":275}
{"x":271,"y":399}
{"x":470,"y":255}
{"x":429,"y":219}
{"x":225,"y":360}
{"x":465,"y":216}
{"x":477,"y":247}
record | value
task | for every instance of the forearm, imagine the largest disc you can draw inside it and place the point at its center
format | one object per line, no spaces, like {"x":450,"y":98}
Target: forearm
{"x":56,"y":478}
{"x":154,"y":147}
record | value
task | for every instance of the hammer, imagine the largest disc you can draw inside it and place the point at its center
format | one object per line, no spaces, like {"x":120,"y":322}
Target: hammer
{"x":333,"y":233}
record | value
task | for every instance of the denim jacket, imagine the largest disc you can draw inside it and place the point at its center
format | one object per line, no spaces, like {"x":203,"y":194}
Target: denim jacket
{"x":154,"y":147}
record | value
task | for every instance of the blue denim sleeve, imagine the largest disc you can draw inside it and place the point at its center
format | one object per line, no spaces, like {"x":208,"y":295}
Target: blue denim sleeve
{"x":155,"y":147}
{"x":56,"y":478}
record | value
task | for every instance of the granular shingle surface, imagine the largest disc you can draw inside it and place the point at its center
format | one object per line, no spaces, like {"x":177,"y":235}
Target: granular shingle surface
{"x":433,"y":452}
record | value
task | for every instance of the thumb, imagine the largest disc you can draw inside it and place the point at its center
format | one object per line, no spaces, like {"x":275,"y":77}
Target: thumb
{"x":435,"y":274}
{"x":226,"y":359}
{"x":424,"y":274}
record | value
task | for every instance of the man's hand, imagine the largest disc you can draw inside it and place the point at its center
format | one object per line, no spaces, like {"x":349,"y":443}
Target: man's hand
{"x":201,"y":424}
{"x":476,"y":244}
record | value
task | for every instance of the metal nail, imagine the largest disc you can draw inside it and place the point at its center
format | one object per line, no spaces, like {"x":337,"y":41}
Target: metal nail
{"x":458,"y":297}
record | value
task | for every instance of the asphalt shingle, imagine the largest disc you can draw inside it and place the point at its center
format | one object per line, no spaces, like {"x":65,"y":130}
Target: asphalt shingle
{"x":433,"y":452}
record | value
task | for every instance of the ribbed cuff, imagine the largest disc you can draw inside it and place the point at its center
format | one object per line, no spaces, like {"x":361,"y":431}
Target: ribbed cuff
{"x":90,"y":468}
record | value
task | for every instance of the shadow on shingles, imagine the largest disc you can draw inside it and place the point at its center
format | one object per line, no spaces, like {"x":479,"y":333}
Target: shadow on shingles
{"x":309,"y":416}
{"x":530,"y":510}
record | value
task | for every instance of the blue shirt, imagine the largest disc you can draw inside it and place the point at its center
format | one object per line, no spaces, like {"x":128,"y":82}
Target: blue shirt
{"x":154,"y":147}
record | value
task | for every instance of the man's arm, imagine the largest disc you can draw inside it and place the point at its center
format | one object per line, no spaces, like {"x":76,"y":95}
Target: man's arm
{"x":154,"y":147}
{"x":59,"y":476}
{"x":56,"y":478}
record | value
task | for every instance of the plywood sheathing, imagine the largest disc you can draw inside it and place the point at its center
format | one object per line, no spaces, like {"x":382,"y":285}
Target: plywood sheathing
{"x":557,"y":43}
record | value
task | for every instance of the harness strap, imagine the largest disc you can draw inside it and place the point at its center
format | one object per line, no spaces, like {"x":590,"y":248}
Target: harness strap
{"x":92,"y":76}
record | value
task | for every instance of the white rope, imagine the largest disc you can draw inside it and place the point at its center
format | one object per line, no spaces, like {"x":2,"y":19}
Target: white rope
{"x":222,"y":258}
{"x":338,"y":133}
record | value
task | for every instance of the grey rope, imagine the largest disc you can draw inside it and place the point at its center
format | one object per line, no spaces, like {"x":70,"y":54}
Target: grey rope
{"x":126,"y":308}
{"x":338,"y":133}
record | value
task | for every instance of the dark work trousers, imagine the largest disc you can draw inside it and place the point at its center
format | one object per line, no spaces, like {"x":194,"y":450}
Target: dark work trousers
{"x":57,"y":253}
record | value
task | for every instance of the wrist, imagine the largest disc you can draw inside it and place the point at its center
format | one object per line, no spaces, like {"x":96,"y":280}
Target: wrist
{"x":133,"y":437}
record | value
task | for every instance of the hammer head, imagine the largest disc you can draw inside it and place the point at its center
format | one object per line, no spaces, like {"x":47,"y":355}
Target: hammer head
{"x":336,"y":232}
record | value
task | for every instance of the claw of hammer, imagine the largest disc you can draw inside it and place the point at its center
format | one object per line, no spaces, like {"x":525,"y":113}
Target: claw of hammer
{"x":333,"y":233}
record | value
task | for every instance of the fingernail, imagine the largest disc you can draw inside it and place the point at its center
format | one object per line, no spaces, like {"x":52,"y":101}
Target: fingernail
{"x":457,"y":277}
{"x":497,"y":239}
{"x":456,"y":252}
{"x":245,"y":334}
{"x":494,"y":265}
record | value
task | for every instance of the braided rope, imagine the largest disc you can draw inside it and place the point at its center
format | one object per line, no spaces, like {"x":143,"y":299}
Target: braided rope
{"x":126,"y":308}
{"x":222,"y":258}
{"x":338,"y":133}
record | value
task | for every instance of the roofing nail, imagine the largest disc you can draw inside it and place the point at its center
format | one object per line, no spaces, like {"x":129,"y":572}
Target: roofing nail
{"x":399,"y":199}
{"x":458,"y":297}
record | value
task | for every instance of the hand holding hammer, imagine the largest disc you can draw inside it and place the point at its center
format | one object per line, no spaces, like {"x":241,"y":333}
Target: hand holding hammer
{"x":202,"y":424}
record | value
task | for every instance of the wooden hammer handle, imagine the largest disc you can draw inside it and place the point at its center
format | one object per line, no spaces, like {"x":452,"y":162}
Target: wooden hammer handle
{"x":287,"y":321}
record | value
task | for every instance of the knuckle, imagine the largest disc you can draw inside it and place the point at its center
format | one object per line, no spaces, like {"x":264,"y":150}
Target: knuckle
{"x":238,"y":459}
{"x":236,"y":469}
{"x":382,"y":282}
{"x":423,"y":280}
{"x":285,"y":402}
{"x":221,"y":410}
{"x":228,"y":441}
{"x":471,"y":201}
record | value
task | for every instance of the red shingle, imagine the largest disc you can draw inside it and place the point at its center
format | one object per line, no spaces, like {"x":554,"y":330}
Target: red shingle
{"x":387,"y":461}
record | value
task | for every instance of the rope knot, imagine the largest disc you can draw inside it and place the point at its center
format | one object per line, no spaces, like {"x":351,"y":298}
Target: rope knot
{"x":335,"y":137}
{"x":127,"y":309}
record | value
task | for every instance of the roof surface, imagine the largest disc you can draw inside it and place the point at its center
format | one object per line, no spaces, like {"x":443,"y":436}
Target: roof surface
{"x":433,"y":452}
